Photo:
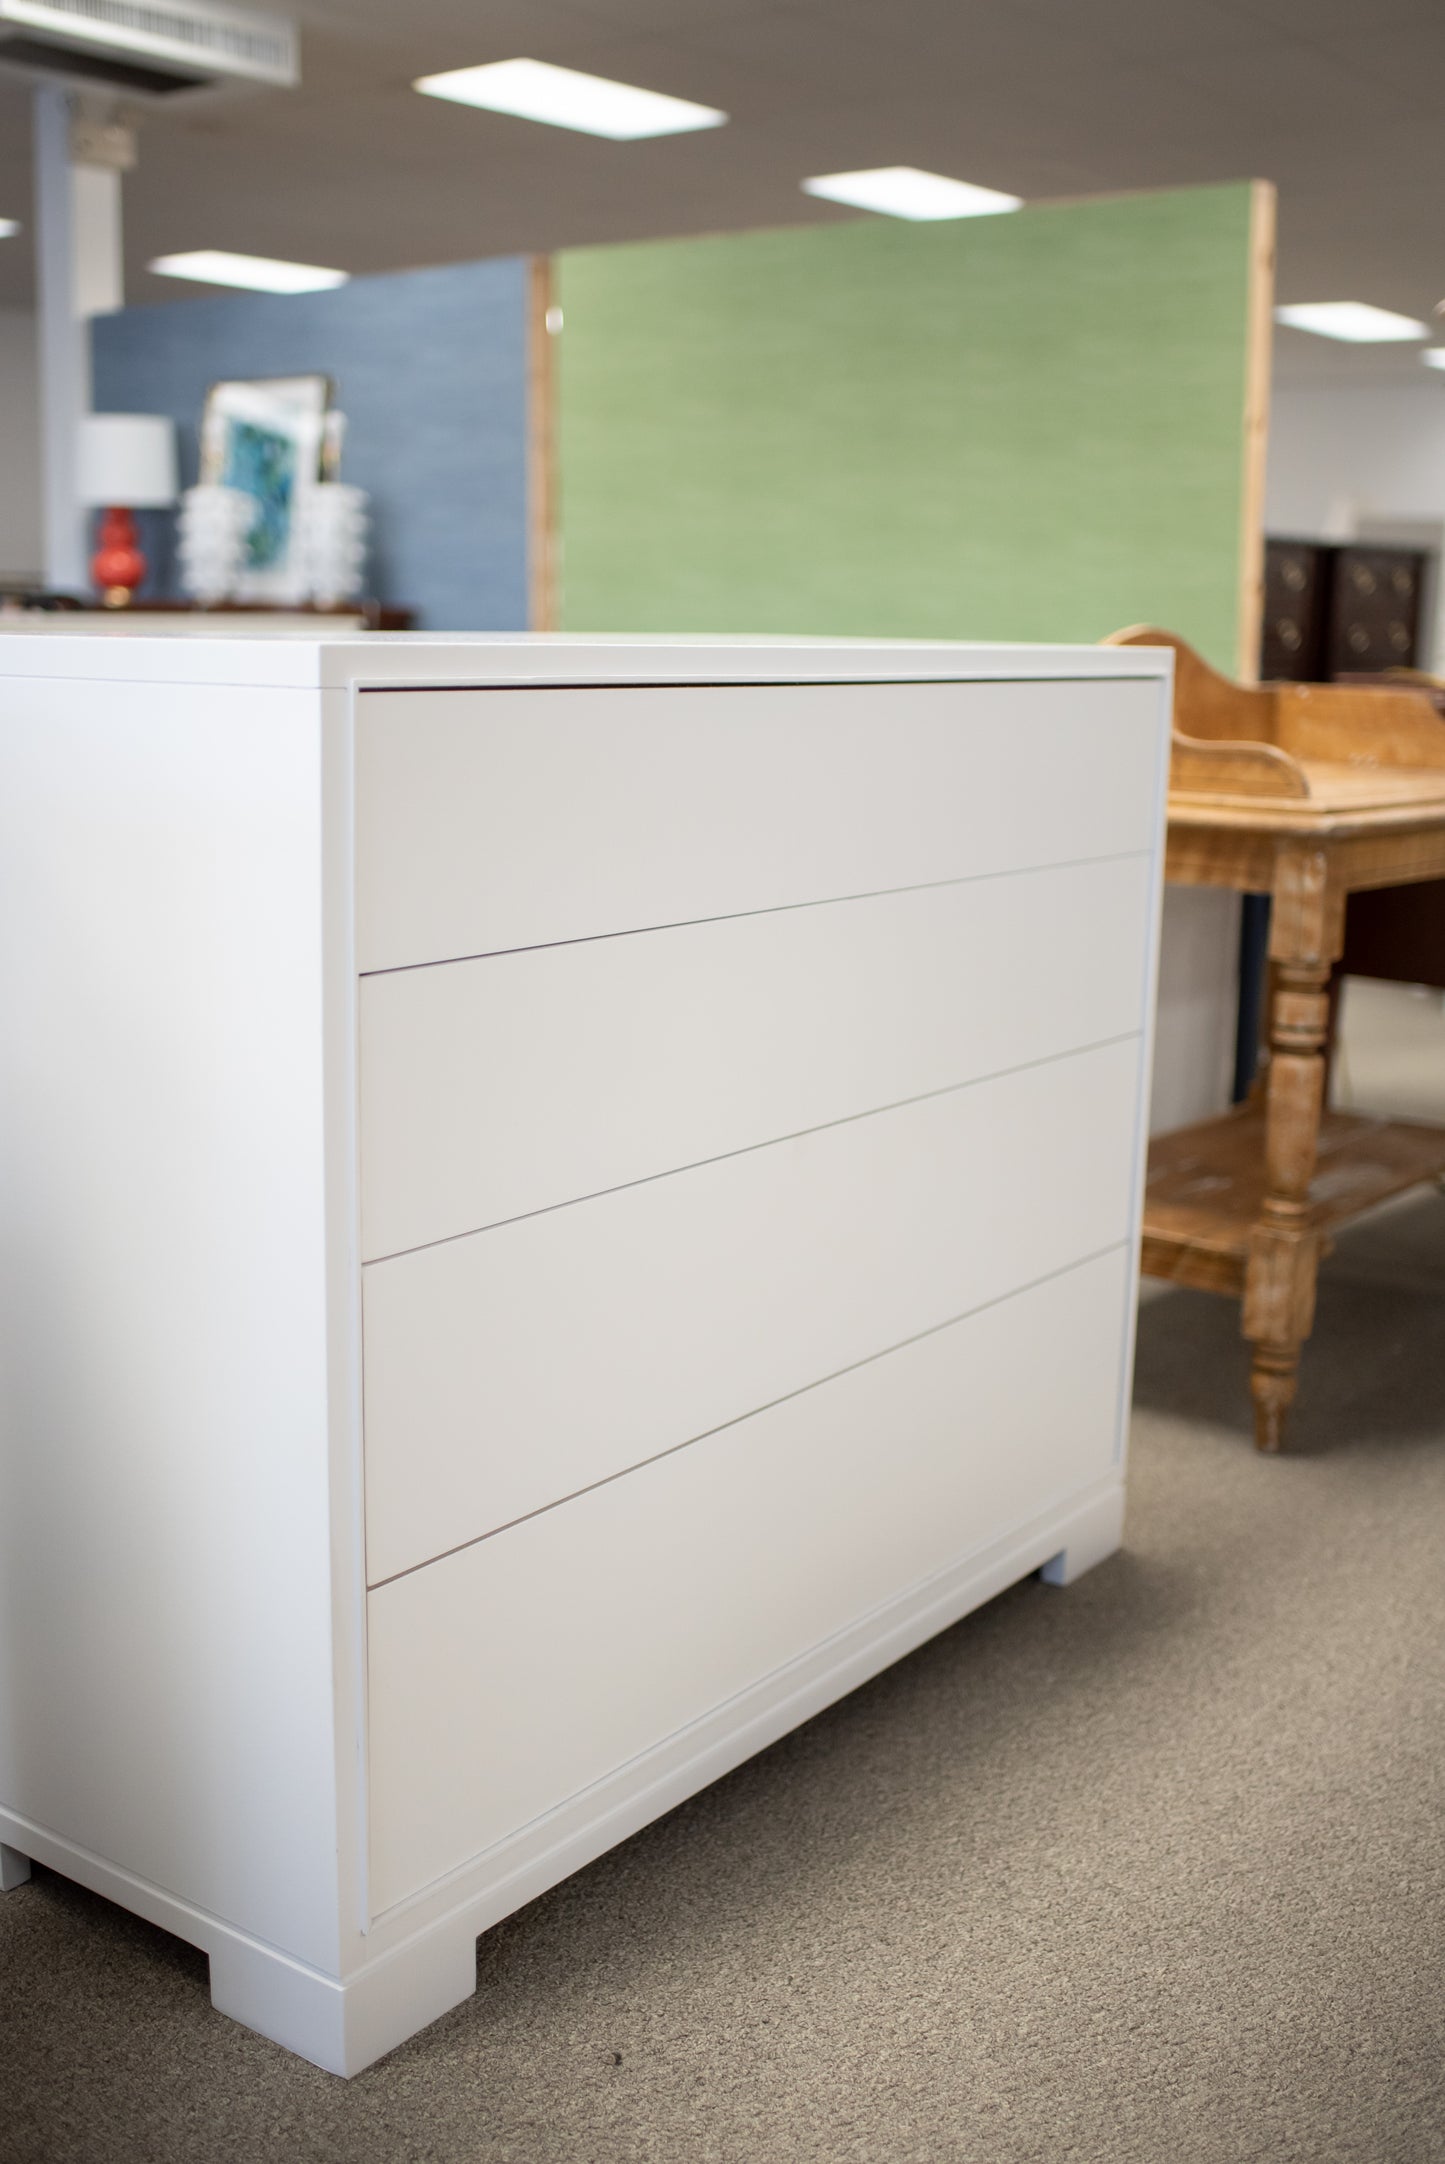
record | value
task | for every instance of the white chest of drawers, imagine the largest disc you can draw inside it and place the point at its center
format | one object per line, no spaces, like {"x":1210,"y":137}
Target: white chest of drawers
{"x":563,"y":1204}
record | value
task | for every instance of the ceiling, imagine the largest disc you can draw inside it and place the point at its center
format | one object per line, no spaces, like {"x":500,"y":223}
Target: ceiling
{"x":1336,"y":101}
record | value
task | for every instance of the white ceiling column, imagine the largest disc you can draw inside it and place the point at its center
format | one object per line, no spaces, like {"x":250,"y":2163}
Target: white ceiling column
{"x":80,"y":155}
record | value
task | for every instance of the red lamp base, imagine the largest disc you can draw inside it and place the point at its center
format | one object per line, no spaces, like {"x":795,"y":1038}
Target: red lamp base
{"x":118,"y":566}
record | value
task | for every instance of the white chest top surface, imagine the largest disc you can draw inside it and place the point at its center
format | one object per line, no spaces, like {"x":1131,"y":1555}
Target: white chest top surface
{"x":134,"y":651}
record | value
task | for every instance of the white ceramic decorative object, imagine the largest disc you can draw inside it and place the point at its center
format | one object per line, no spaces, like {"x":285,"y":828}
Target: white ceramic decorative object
{"x":331,"y":523}
{"x":212,"y":529}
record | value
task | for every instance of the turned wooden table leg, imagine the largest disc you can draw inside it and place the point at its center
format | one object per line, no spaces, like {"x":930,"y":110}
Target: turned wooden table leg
{"x":1279,"y":1292}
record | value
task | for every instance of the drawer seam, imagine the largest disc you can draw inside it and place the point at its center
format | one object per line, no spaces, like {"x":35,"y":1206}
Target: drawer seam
{"x":749,"y":1149}
{"x":774,"y":909}
{"x":851,"y":1367}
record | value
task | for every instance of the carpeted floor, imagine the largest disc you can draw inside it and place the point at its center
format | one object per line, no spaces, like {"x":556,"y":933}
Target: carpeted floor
{"x":1149,"y":1869}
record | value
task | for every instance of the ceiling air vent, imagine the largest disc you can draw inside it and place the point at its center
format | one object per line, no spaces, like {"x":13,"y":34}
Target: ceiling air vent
{"x":150,"y":47}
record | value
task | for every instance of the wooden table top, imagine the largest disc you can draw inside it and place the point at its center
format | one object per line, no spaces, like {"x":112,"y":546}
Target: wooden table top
{"x":1343,"y":799}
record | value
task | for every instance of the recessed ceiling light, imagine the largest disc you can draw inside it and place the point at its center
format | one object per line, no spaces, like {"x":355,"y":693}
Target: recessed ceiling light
{"x":1355,"y":321}
{"x":902,"y":191}
{"x":8,"y":226}
{"x":257,"y":273}
{"x":565,"y":98}
{"x":1435,"y":358}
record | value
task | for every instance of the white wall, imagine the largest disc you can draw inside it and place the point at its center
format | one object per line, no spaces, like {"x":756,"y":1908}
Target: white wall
{"x":21,"y":544}
{"x":1198,"y":1005}
{"x":1360,"y":461}
{"x":1338,"y":449}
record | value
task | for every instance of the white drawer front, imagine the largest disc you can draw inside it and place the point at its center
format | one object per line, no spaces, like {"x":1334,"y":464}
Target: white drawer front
{"x":511,"y":818}
{"x":512,"y":1368}
{"x":490,"y":1088}
{"x":509,"y":1677}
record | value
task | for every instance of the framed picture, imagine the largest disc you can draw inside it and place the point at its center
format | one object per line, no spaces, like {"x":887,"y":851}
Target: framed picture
{"x":269,"y":437}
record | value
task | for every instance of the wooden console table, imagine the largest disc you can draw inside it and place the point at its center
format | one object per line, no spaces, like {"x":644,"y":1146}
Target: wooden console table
{"x":1307,"y":793}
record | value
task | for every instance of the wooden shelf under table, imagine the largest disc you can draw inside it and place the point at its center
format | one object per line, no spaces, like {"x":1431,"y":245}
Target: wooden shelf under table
{"x":1206,"y":1187}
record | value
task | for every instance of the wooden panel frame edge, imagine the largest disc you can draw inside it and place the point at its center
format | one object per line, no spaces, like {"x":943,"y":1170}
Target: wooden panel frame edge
{"x":1259,"y":339}
{"x":542,"y":532}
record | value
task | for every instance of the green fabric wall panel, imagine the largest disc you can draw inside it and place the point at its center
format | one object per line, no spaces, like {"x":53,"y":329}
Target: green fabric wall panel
{"x":1021,"y":427}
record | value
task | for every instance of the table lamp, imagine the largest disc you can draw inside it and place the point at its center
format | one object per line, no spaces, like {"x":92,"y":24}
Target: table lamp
{"x":127,"y":464}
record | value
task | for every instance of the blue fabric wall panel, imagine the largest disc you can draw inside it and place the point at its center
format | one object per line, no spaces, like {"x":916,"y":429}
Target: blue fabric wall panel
{"x":431,"y":371}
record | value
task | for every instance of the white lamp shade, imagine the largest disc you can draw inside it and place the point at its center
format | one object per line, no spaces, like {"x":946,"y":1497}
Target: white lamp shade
{"x":128,"y":459}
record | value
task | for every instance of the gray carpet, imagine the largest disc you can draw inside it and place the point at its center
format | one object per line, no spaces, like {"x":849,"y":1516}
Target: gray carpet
{"x":1148,"y":1869}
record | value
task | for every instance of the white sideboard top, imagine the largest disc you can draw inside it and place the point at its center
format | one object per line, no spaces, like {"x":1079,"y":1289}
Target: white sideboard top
{"x":307,"y":659}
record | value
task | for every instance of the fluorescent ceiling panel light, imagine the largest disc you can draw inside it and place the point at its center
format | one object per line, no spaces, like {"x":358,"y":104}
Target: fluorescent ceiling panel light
{"x":902,"y":191}
{"x":1435,"y":358}
{"x":8,"y":226}
{"x":257,"y":273}
{"x":564,"y":98}
{"x":1355,"y":321}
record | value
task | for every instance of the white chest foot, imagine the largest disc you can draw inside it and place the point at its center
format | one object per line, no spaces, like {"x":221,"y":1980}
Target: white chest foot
{"x":14,"y":1868}
{"x":1096,"y":1532}
{"x":343,"y":2027}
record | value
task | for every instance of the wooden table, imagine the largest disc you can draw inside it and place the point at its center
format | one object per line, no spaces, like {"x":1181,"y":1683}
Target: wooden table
{"x":1307,"y":793}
